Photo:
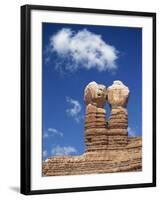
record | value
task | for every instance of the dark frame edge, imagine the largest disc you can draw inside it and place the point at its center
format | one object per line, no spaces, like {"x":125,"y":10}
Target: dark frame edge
{"x":90,"y":10}
{"x":89,"y":189}
{"x":25,"y":180}
{"x":154,"y":99}
{"x":25,"y":101}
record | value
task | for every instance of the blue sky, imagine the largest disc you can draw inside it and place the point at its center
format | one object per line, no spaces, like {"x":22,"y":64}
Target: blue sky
{"x":73,"y":56}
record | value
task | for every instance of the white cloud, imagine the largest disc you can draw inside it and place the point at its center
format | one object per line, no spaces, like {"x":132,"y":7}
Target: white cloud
{"x":45,"y":153}
{"x":75,"y":110}
{"x":55,"y":132}
{"x":52,"y":132}
{"x":46,"y":160}
{"x":131,"y":132}
{"x":85,"y":49}
{"x":45,"y":134}
{"x":63,"y":151}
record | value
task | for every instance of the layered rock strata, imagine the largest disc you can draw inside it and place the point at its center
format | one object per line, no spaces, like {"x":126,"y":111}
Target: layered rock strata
{"x":95,"y":121}
{"x":108,"y":147}
{"x":118,"y":95}
{"x":124,"y":159}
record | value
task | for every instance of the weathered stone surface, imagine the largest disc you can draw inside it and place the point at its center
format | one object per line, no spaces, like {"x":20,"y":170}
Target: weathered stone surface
{"x":118,"y":95}
{"x":95,"y":94}
{"x":108,"y":147}
{"x":95,"y":99}
{"x":128,"y":158}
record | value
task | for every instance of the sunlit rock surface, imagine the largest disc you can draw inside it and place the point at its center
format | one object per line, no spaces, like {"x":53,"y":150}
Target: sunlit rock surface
{"x":108,"y":147}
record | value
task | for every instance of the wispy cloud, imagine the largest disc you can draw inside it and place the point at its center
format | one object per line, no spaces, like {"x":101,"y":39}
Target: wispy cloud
{"x":52,"y":132}
{"x":45,"y":154}
{"x":63,"y":151}
{"x":131,"y":132}
{"x":55,"y":131}
{"x":75,"y":109}
{"x":83,"y":49}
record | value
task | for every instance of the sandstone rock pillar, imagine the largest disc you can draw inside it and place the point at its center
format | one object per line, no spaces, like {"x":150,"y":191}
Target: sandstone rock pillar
{"x":95,"y":121}
{"x":118,"y":95}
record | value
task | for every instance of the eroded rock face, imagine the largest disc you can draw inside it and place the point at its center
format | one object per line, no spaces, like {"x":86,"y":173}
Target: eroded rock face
{"x":95,"y":94}
{"x":95,"y":121}
{"x":108,"y":148}
{"x":124,"y":159}
{"x":118,"y":95}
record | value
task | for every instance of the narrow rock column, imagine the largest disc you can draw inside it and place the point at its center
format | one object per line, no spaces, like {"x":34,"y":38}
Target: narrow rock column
{"x":95,"y":121}
{"x":118,"y":95}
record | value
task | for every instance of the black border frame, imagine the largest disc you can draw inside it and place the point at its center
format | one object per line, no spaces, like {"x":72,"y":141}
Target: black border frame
{"x":26,"y":96}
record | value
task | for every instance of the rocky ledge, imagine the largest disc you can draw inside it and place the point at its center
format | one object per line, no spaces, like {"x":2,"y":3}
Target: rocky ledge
{"x":104,"y":161}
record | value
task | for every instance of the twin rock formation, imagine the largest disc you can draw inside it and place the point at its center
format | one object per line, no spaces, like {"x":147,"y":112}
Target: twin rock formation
{"x":100,"y":134}
{"x":108,"y":147}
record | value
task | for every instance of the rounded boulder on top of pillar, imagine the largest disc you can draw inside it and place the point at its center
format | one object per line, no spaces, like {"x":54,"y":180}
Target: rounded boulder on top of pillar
{"x":95,"y":120}
{"x":118,"y":95}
